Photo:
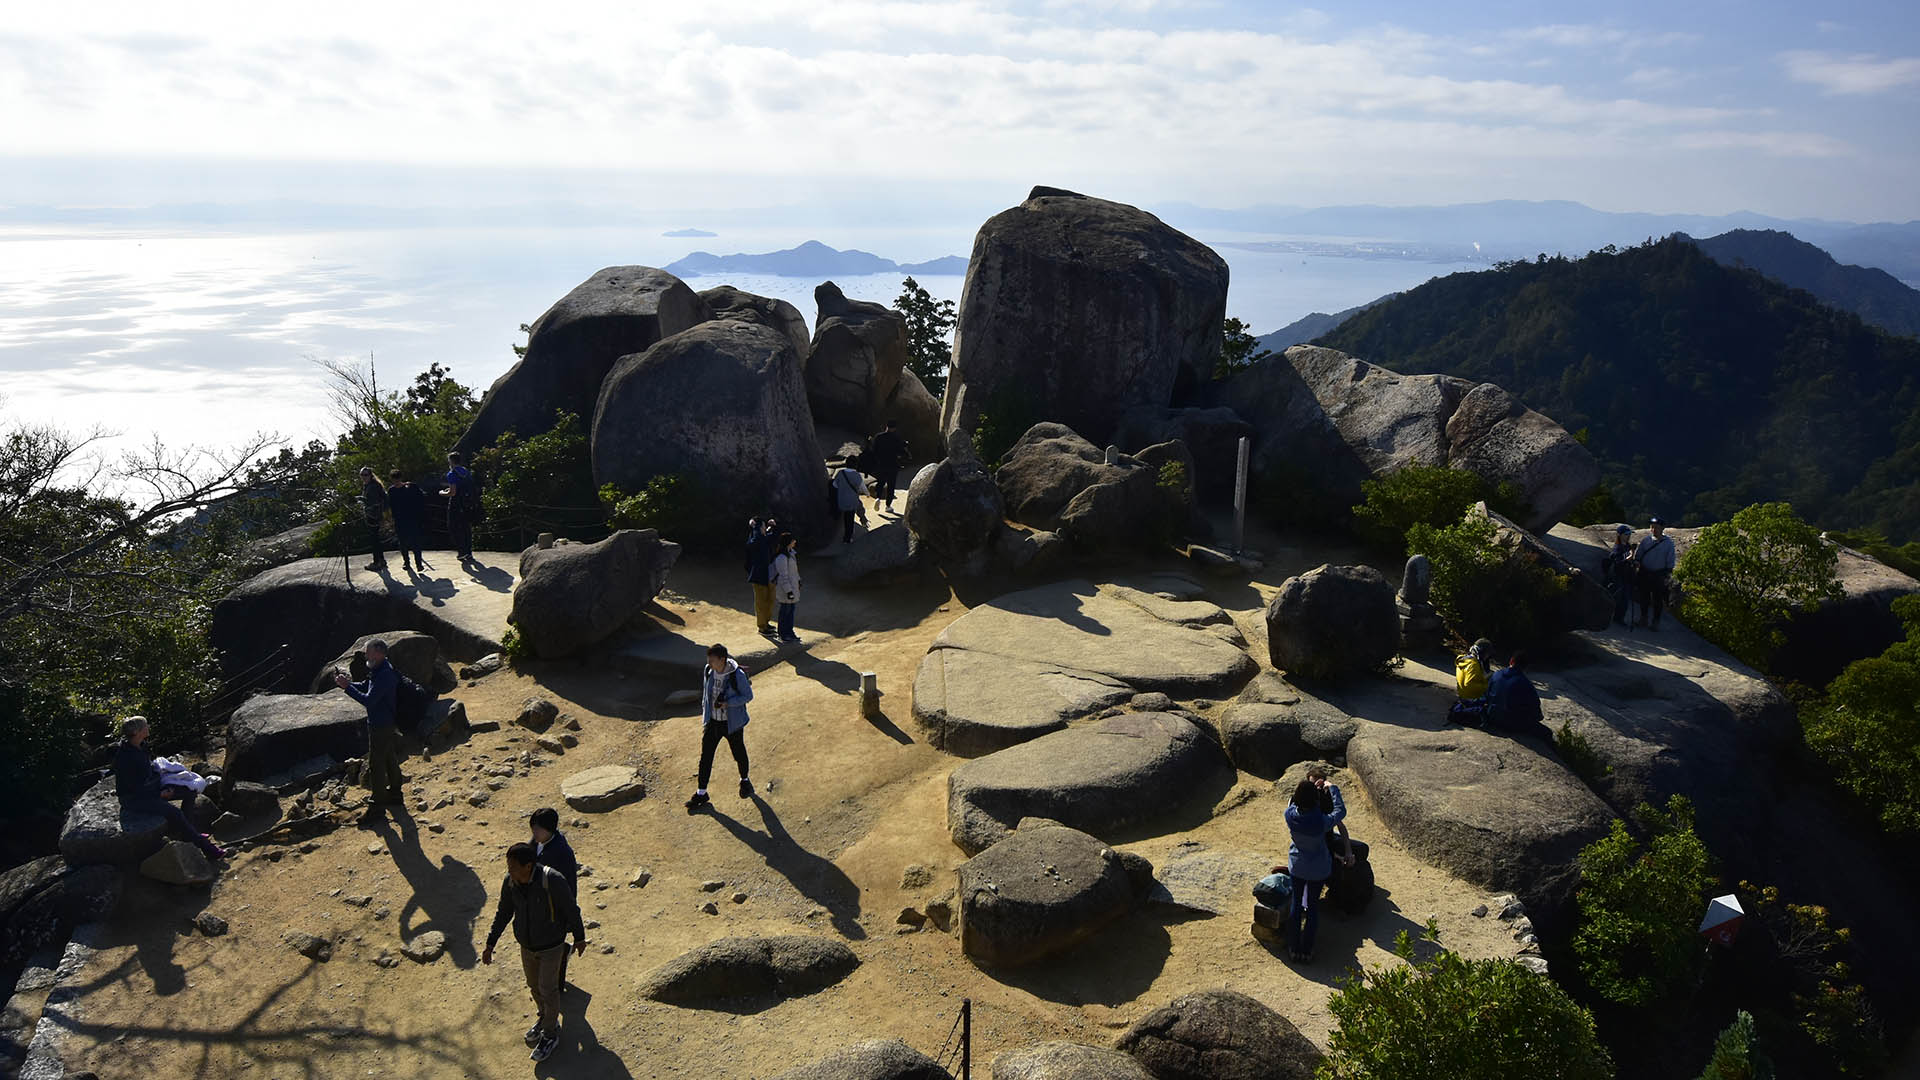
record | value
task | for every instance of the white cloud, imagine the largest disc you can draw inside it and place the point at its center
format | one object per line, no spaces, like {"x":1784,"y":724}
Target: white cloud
{"x":1855,"y":73}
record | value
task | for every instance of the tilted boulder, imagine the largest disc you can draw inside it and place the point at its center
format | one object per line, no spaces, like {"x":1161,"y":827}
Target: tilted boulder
{"x":572,"y":596}
{"x":877,"y":557}
{"x":915,"y":413}
{"x":859,"y":349}
{"x":1039,"y":892}
{"x":1333,"y":621}
{"x":1067,"y":1061}
{"x":1076,"y":309}
{"x":43,"y":900}
{"x":875,"y":1059}
{"x":953,"y":508}
{"x":97,"y":830}
{"x":1211,"y":435}
{"x":1220,"y":1035}
{"x":738,"y":967}
{"x":1578,"y":602}
{"x":722,"y":406}
{"x":728,"y":304}
{"x":1044,"y":469}
{"x":571,"y":349}
{"x":270,"y":734}
{"x":972,"y":703}
{"x":1264,"y":738}
{"x":412,"y":653}
{"x":1051,"y":478}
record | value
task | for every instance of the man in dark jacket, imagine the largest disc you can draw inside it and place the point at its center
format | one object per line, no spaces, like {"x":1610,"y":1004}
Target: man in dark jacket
{"x":408,"y":504}
{"x":373,"y":503}
{"x":463,"y":500}
{"x":138,"y":786}
{"x":883,"y":462}
{"x":759,"y":558}
{"x":379,"y":693}
{"x":550,"y":848}
{"x":1513,"y":703}
{"x":541,"y":906}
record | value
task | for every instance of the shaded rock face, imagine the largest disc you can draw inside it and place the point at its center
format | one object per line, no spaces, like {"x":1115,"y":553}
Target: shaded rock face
{"x":572,"y":596}
{"x":1266,"y":738}
{"x":1044,"y":469}
{"x":412,"y":653}
{"x":1039,"y":892}
{"x":738,"y":967}
{"x":1299,"y":458}
{"x":1076,"y":309}
{"x":724,"y":406}
{"x":1101,"y":777}
{"x":98,"y":831}
{"x":916,"y":416}
{"x":1067,"y":1061}
{"x":953,"y":508}
{"x":877,"y":557}
{"x":1333,"y":621}
{"x":972,"y":703}
{"x":1220,"y":1035}
{"x":270,"y":734}
{"x":728,"y":304}
{"x":1053,"y":479}
{"x":43,"y":900}
{"x":859,"y":349}
{"x":1211,"y":435}
{"x":1583,"y":603}
{"x":571,"y":348}
{"x":178,"y":863}
{"x":875,"y":1059}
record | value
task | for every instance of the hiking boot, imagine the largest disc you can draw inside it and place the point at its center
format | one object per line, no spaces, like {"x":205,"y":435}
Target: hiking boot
{"x":699,"y":800}
{"x":544,"y":1049}
{"x":376,"y":567}
{"x":746,"y":788}
{"x":533,"y":1035}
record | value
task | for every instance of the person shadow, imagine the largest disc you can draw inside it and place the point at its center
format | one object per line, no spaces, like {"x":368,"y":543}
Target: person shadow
{"x":580,"y":1053}
{"x":448,"y":897}
{"x":817,"y":879}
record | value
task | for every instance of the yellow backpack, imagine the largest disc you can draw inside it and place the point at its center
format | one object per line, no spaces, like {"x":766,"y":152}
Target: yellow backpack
{"x":1471,"y":676}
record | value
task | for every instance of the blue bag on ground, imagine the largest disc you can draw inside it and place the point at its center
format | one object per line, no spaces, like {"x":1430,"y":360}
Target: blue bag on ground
{"x":1274,"y":890}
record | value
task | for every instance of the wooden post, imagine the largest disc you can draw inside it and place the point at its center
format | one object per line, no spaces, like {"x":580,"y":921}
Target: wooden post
{"x":966,"y":1039}
{"x":869,"y":694}
{"x":1240,"y":498}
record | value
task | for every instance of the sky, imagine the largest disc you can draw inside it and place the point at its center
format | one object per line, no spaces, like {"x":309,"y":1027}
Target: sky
{"x":945,"y":106}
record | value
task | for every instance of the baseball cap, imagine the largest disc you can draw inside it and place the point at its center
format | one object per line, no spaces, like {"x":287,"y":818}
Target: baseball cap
{"x":1623,"y":530}
{"x":1655,"y":521}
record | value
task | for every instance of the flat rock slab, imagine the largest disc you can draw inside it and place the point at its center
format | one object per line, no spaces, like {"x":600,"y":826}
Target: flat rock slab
{"x":97,"y":830}
{"x":1209,"y":882}
{"x":973,"y":703}
{"x":875,"y":1059}
{"x":602,"y":788}
{"x":1100,"y":777}
{"x":1220,"y":1035}
{"x":746,"y":967}
{"x":1185,"y":612}
{"x":271,"y":733}
{"x":1039,"y":892}
{"x":1067,"y":1061}
{"x":1075,"y":624}
{"x":676,"y":656}
{"x":1494,"y":810}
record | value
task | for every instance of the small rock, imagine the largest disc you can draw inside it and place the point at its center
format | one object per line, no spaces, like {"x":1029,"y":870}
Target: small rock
{"x":425,"y":948}
{"x":436,"y":827}
{"x":940,"y":914}
{"x":494,"y":785}
{"x":482,"y":667}
{"x":916,"y":877}
{"x":481,"y":727}
{"x":311,"y":946}
{"x":592,"y":924}
{"x":359,"y":901}
{"x":569,"y":740}
{"x":601,"y":789}
{"x":309,"y":848}
{"x":376,"y":848}
{"x":710,"y":908}
{"x":606,"y":950}
{"x":1513,"y":910}
{"x":570,"y":722}
{"x":640,"y":878}
{"x":1479,"y":911}
{"x":603,"y":885}
{"x":712,"y":886}
{"x":739,"y":898}
{"x":911,"y":917}
{"x":381,"y":913}
{"x":386,"y":960}
{"x":479,"y":798}
{"x":537,"y":714}
{"x":209,"y":924}
{"x":1535,"y":964}
{"x":550,"y":744}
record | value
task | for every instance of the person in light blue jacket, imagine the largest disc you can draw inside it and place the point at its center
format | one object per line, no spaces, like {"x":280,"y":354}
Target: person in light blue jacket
{"x":724,"y":693}
{"x":1309,"y":860}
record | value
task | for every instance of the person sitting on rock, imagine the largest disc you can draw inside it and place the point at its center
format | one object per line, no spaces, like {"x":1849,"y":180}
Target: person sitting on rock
{"x":1309,"y":861}
{"x":1470,"y":682}
{"x":543,"y":909}
{"x":1513,"y":703}
{"x":550,"y":848}
{"x":142,"y":789}
{"x":724,"y":693}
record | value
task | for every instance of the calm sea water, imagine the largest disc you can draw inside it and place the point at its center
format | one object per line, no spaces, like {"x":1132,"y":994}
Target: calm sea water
{"x":206,"y":339}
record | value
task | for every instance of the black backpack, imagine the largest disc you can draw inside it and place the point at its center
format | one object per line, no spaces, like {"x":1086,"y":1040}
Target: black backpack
{"x":1351,"y":887}
{"x":411,"y":702}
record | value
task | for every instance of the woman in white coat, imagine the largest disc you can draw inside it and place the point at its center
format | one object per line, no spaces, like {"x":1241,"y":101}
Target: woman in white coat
{"x":785,"y":573}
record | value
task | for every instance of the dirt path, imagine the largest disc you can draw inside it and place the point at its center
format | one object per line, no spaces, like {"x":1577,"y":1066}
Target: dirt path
{"x":847,"y":806}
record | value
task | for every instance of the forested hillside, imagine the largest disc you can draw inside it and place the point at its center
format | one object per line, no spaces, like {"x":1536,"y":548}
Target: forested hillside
{"x":1701,"y":388}
{"x":1874,"y":295}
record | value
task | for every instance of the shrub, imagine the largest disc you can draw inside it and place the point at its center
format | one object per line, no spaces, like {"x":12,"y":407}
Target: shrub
{"x":1448,"y":1018}
{"x":929,"y":334}
{"x":1736,"y":1053}
{"x":669,"y":503}
{"x":1414,"y":495}
{"x":1577,"y":751}
{"x":515,"y":647}
{"x":1599,"y":508}
{"x":1239,"y":349}
{"x":539,"y":483}
{"x":1825,"y":1023}
{"x":1868,"y":727}
{"x":1482,"y":586}
{"x":1640,"y":905}
{"x":1746,"y":576}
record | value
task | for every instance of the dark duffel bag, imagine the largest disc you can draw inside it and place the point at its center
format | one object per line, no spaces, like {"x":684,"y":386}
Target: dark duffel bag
{"x":1351,"y":887}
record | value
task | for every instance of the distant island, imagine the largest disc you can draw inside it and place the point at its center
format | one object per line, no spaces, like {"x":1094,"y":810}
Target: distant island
{"x":811,"y":259}
{"x":689,"y":232}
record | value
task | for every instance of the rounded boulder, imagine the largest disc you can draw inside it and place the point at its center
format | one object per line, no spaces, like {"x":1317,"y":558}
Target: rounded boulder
{"x":1333,"y":621}
{"x":1220,"y":1035}
{"x":1039,"y":892}
{"x":571,"y":596}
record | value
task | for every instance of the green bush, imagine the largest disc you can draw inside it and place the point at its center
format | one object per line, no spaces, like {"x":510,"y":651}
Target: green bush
{"x":670,"y":503}
{"x":1449,"y":1018}
{"x":929,"y":334}
{"x":1239,"y":349}
{"x":1867,"y":728}
{"x":1745,"y":577}
{"x":541,"y":483}
{"x":1736,"y":1053}
{"x":1006,"y":416}
{"x":1826,"y":1023}
{"x":1414,"y":495}
{"x":1483,"y":586}
{"x":1637,"y":943}
{"x":1577,"y":751}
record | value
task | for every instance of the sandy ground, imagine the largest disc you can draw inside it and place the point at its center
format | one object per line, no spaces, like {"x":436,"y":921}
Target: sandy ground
{"x":846,"y":806}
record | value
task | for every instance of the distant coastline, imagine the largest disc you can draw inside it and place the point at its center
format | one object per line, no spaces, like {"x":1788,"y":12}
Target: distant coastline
{"x":811,"y":259}
{"x":681,"y":233}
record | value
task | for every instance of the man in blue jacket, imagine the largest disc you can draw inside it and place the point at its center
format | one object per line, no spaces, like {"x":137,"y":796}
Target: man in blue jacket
{"x":724,"y":693}
{"x":379,"y":694}
{"x":1513,"y":705}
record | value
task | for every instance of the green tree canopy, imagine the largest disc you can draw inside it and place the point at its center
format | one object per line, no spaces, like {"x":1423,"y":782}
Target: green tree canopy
{"x":1745,"y":577}
{"x":930,"y":326}
{"x":1640,"y":904}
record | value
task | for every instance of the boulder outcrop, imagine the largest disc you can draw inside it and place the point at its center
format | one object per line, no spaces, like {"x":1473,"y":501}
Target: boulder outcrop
{"x":412,"y":653}
{"x":1101,"y":778}
{"x":1264,"y":738}
{"x":572,"y":596}
{"x":1220,"y":1035}
{"x":741,"y":967}
{"x":859,"y":349}
{"x":875,"y":1059}
{"x":1333,"y":621}
{"x":1039,"y":892}
{"x":41,"y":901}
{"x":1212,"y":435}
{"x":916,"y":416}
{"x":1076,"y":309}
{"x":877,"y":557}
{"x":953,"y":507}
{"x":270,"y":734}
{"x":1580,"y":602}
{"x":570,"y":350}
{"x":973,"y":703}
{"x":1067,"y":1061}
{"x":728,"y":304}
{"x":723,"y":406}
{"x":98,"y":831}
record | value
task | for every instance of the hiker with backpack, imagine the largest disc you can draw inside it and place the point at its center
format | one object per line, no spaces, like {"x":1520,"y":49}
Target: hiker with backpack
{"x":143,"y":789}
{"x":379,"y":693}
{"x":1655,"y":558}
{"x":846,"y":487}
{"x":408,"y":504}
{"x":543,"y":909}
{"x":550,"y":848}
{"x":463,"y":505}
{"x":784,"y":572}
{"x":1619,"y":571}
{"x":760,"y":552}
{"x":1309,"y":860}
{"x":1470,"y":681}
{"x":724,"y":693}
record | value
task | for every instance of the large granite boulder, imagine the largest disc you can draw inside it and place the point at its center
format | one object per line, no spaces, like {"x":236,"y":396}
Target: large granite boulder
{"x":1333,"y":621}
{"x":915,"y":413}
{"x":876,"y":557}
{"x":1265,"y":738}
{"x":953,"y":507}
{"x":277,"y":550}
{"x":1109,"y":630}
{"x":1044,"y":469}
{"x":972,"y":703}
{"x":572,"y":596}
{"x":412,"y":653}
{"x":1039,"y":892}
{"x":1061,"y":1060}
{"x":723,"y":406}
{"x":728,"y":304}
{"x":1220,"y":1035}
{"x":1493,"y":434}
{"x":1102,"y":777}
{"x":570,"y":349}
{"x":750,"y":967}
{"x":97,"y":830}
{"x":859,"y":349}
{"x":270,"y":734}
{"x":1302,"y":470}
{"x":41,"y":901}
{"x":1076,"y":309}
{"x":875,"y":1059}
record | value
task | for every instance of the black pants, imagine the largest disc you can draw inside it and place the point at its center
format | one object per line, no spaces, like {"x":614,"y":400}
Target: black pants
{"x":1653,"y":594}
{"x":710,"y":736}
{"x":883,"y":478}
{"x":379,"y":550}
{"x":846,"y":524}
{"x":411,"y":541}
{"x":460,"y":532}
{"x":176,"y":817}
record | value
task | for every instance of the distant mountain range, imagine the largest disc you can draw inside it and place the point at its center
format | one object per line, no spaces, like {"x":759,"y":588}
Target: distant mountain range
{"x":1306,"y":328}
{"x":1875,"y":295}
{"x":811,"y":259}
{"x":1700,"y":387}
{"x":686,"y":233}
